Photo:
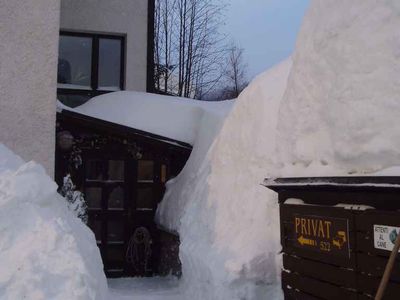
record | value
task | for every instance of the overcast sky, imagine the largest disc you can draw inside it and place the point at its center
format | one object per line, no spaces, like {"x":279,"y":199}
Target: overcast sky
{"x":265,"y":29}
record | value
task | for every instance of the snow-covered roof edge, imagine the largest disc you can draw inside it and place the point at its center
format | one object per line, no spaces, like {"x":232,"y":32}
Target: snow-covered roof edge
{"x":70,"y":113}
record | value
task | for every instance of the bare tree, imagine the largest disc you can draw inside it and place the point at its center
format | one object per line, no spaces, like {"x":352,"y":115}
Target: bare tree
{"x":188,"y":46}
{"x":234,"y":76}
{"x":236,"y":72}
{"x":163,"y":29}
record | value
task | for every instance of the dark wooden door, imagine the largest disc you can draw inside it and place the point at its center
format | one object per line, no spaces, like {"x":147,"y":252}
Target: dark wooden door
{"x":107,"y":194}
{"x":122,"y":196}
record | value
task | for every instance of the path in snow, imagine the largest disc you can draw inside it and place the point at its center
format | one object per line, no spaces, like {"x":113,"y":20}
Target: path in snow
{"x":154,"y":288}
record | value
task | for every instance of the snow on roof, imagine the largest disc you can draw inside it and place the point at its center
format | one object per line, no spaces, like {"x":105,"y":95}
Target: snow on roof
{"x":173,"y":117}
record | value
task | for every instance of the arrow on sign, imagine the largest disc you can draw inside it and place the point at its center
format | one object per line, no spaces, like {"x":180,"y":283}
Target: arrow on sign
{"x":303,"y":241}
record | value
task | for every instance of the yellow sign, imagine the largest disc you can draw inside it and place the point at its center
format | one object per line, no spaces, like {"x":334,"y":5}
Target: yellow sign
{"x":323,"y":234}
{"x":313,"y":227}
{"x":304,"y":241}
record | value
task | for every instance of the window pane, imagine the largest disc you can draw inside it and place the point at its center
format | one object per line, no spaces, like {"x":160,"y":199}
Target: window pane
{"x":116,"y":169}
{"x":93,"y":197}
{"x":95,"y":170}
{"x":144,"y":199}
{"x":116,"y":198}
{"x":115,"y":232}
{"x":74,"y":62}
{"x":73,"y":100}
{"x":109,"y":64}
{"x":145,"y":170}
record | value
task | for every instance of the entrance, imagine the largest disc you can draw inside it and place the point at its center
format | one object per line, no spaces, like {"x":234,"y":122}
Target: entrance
{"x":122,"y":195}
{"x":122,"y":173}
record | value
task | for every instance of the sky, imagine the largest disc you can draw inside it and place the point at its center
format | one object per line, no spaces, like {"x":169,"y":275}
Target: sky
{"x":265,"y":29}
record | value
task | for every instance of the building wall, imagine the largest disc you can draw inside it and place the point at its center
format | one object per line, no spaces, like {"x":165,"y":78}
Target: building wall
{"x":114,"y":16}
{"x":28,"y":68}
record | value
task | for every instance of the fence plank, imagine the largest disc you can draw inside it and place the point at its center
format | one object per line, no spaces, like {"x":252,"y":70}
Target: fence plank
{"x":375,"y":265}
{"x":321,"y":271}
{"x":369,"y":285}
{"x":293,"y":294}
{"x":317,"y":288}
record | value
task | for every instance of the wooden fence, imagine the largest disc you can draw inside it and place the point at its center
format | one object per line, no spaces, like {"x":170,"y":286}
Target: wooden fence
{"x":332,"y":252}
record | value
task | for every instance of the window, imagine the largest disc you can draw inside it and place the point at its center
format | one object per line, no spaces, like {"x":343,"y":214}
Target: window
{"x":89,"y":65}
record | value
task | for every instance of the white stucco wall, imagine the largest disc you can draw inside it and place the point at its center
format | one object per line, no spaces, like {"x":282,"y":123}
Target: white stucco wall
{"x":28,"y":68}
{"x":114,"y":16}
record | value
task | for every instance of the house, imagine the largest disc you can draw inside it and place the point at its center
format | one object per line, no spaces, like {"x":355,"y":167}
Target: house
{"x":28,"y":57}
{"x":104,"y":46}
{"x":107,"y":46}
{"x":97,"y":47}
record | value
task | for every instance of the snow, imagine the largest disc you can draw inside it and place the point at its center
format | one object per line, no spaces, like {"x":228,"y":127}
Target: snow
{"x":73,"y":86}
{"x":45,"y":251}
{"x":333,"y":112}
{"x":341,"y":109}
{"x":294,"y":201}
{"x":354,"y":206}
{"x":155,"y":288}
{"x":172,"y":117}
{"x":109,"y":88}
{"x":228,"y":223}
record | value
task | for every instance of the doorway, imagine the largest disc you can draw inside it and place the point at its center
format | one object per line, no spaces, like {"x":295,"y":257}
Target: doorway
{"x":122,"y":195}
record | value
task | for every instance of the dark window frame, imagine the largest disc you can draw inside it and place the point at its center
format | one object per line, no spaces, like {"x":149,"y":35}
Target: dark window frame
{"x":94,"y":80}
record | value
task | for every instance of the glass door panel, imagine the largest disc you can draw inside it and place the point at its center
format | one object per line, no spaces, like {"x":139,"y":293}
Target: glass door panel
{"x":116,"y":198}
{"x":145,"y":171}
{"x":116,"y":170}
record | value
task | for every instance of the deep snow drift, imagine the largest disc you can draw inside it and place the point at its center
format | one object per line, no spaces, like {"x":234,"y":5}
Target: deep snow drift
{"x":228,"y":222}
{"x":45,"y":251}
{"x":341,"y":109}
{"x":338,"y":115}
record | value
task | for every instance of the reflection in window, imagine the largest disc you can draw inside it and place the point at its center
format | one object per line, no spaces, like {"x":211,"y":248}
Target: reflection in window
{"x":115,"y":232}
{"x":116,"y":198}
{"x":116,"y":169}
{"x":93,"y":197}
{"x":144,"y":198}
{"x":145,"y":170}
{"x":74,"y":62}
{"x":72,"y":100}
{"x":109,"y":64}
{"x":95,"y":170}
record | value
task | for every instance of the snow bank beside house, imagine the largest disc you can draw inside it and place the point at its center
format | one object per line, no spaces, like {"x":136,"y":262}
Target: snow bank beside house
{"x":334,"y":112}
{"x":172,"y":117}
{"x":45,"y":251}
{"x":228,"y":223}
{"x":341,"y":109}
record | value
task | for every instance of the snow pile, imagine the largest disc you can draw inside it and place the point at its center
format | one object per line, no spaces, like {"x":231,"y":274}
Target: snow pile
{"x":45,"y":251}
{"x":228,"y":222}
{"x":334,"y":112}
{"x":341,"y":109}
{"x":172,"y":117}
{"x":180,"y":189}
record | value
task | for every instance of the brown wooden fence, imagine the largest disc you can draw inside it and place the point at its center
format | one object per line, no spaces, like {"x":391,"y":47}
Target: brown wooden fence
{"x":331,"y":252}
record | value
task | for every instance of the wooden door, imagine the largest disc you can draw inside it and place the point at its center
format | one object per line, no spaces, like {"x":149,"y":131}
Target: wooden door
{"x":107,"y":195}
{"x":122,"y":196}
